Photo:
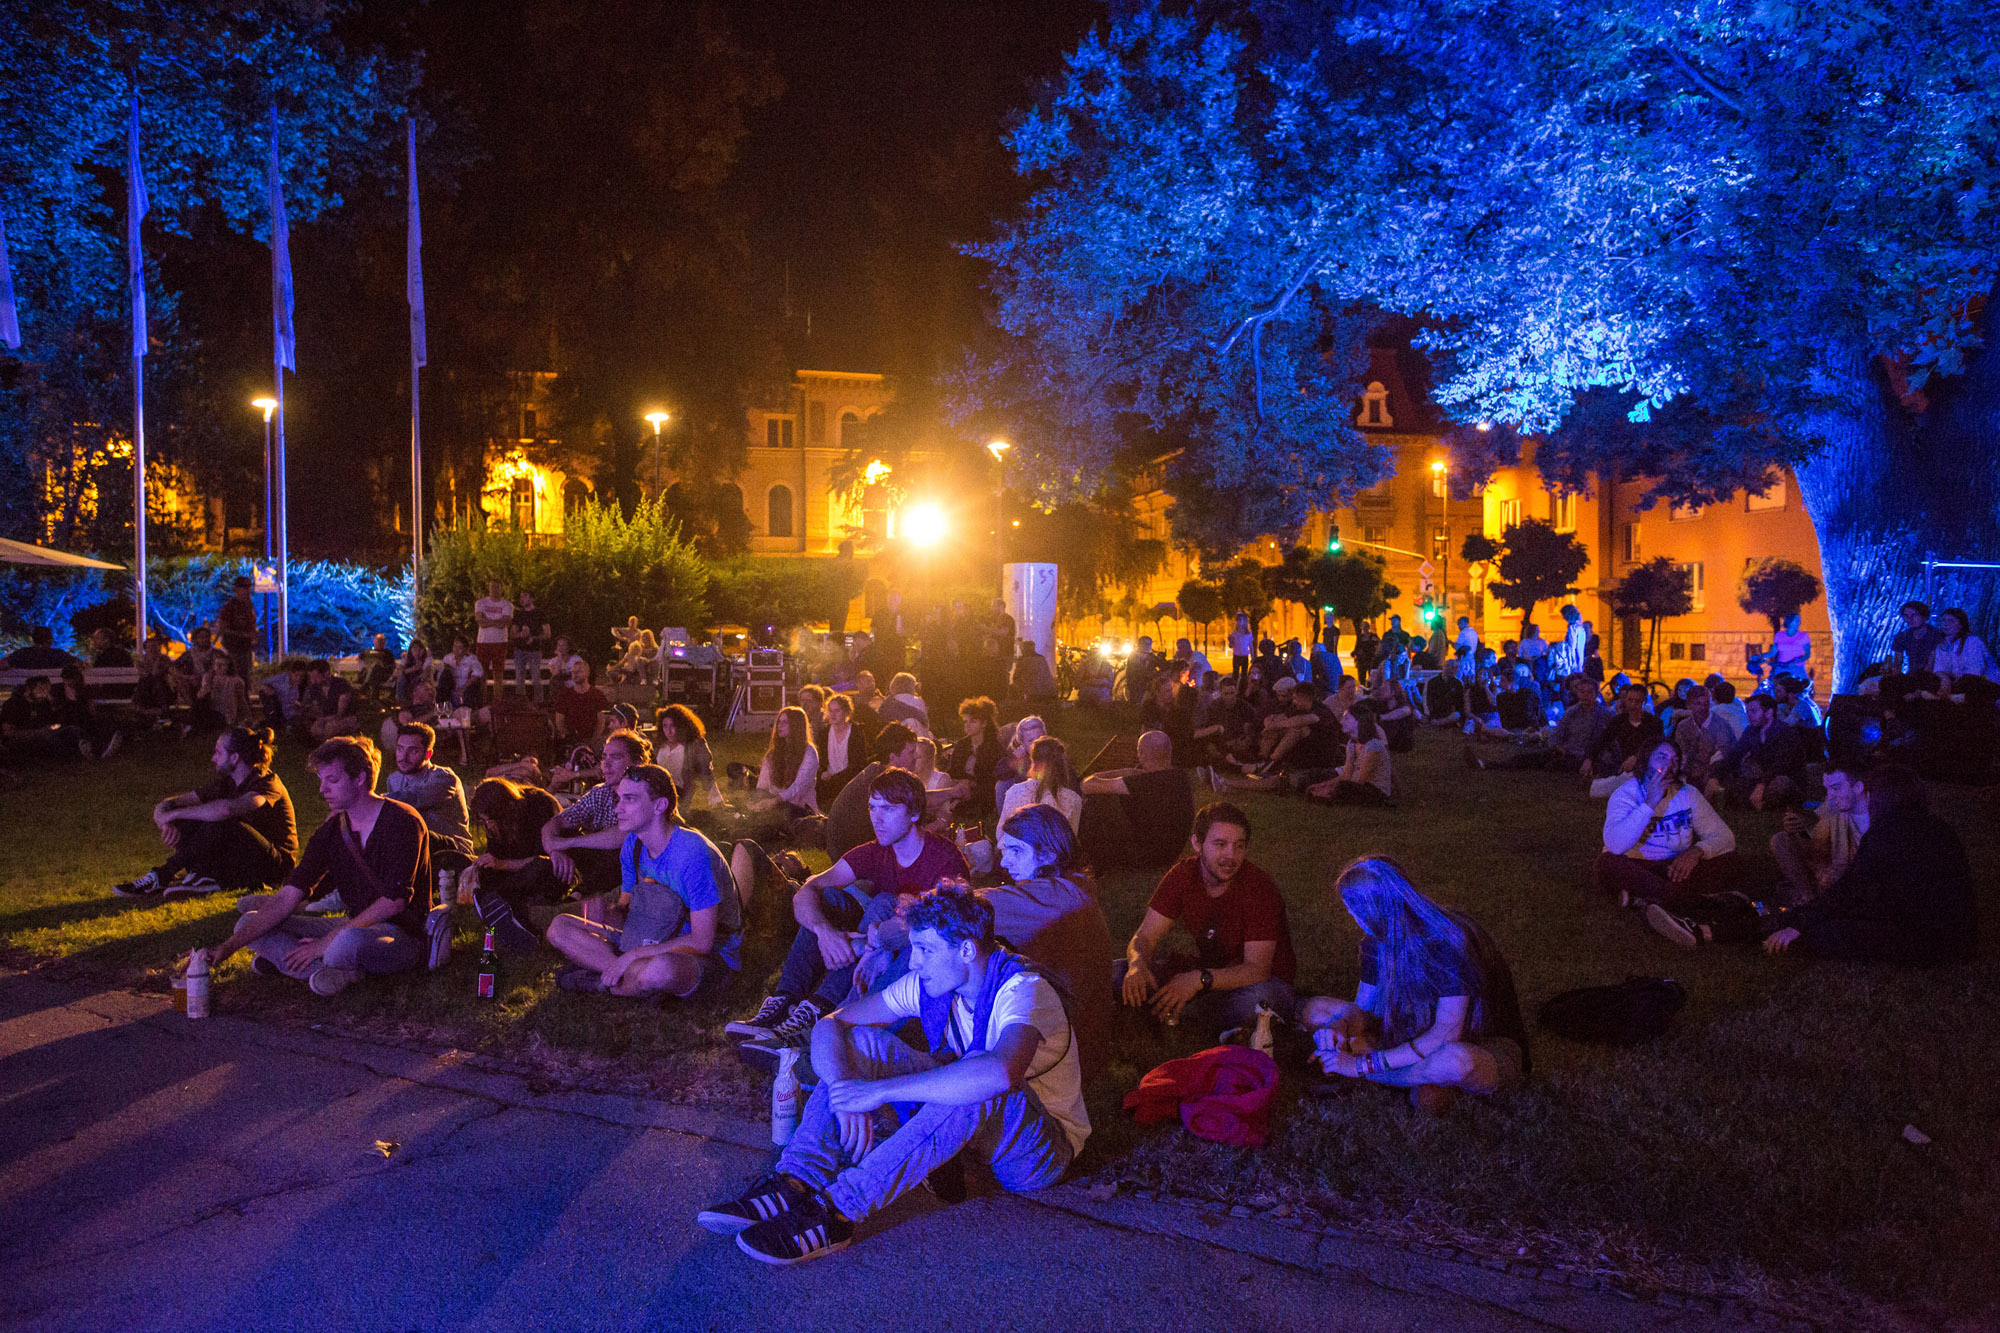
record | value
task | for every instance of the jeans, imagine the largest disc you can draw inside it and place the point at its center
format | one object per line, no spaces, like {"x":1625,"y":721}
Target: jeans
{"x":805,"y":973}
{"x":380,"y":948}
{"x":528,"y":671}
{"x":1020,"y":1142}
{"x":227,"y":851}
{"x":1648,"y":882}
{"x":1216,"y":1010}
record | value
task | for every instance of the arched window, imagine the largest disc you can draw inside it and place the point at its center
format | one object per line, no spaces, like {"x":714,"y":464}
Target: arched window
{"x":729,"y":500}
{"x":1375,"y":406}
{"x":779,"y":510}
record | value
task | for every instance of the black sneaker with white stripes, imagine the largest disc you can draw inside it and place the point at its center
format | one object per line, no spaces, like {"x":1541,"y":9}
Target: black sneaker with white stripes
{"x":797,"y":1028}
{"x":759,"y":1024}
{"x":147,"y":885}
{"x":771,"y":1195}
{"x":809,"y":1230}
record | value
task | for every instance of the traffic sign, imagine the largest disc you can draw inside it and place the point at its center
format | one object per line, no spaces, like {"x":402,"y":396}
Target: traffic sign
{"x":1426,"y":570}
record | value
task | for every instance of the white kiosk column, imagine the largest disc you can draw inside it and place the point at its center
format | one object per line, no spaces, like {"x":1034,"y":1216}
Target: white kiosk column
{"x":1031,"y":599}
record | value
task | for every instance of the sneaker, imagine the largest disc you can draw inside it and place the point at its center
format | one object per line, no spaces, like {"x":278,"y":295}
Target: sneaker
{"x":759,"y":1024}
{"x":1679,"y":929}
{"x":792,"y":867}
{"x":770,"y":1195}
{"x":797,"y":1028}
{"x":140,"y":886}
{"x":331,"y":980}
{"x":947,"y":1182}
{"x":582,"y":980}
{"x":325,"y":906}
{"x":808,"y":1230}
{"x":437,"y":936}
{"x":191,"y":884}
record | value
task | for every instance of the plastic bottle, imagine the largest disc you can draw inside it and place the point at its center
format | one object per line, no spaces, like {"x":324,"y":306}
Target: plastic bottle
{"x":447,"y":889}
{"x":489,"y":968}
{"x":197,"y":984}
{"x":785,"y":1094}
{"x":1260,"y":1040}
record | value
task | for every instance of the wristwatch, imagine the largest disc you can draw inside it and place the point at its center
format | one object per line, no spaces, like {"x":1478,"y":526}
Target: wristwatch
{"x":1207,"y":979}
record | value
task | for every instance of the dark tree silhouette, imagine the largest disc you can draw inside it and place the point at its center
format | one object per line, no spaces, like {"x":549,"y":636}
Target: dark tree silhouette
{"x":1775,"y":589}
{"x":1652,"y":592}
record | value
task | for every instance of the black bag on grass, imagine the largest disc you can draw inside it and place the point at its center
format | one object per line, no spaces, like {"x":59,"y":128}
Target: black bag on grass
{"x":1636,"y":1009}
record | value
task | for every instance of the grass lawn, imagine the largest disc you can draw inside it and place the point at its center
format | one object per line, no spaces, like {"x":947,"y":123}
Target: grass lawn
{"x":1756,"y":1150}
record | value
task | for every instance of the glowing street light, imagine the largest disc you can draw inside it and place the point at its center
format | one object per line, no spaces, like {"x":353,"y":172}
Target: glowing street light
{"x":658,"y":419}
{"x":267,"y":405}
{"x":924,"y":525}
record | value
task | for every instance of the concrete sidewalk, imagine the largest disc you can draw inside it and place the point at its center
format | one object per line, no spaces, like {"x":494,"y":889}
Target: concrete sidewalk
{"x":157,"y":1173}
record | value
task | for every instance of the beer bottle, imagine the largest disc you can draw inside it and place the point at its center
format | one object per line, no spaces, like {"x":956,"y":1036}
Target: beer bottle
{"x":489,"y":967}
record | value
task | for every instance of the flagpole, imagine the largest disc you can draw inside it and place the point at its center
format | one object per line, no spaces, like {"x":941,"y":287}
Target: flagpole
{"x":135,"y":261}
{"x":281,"y":354}
{"x":414,"y":280}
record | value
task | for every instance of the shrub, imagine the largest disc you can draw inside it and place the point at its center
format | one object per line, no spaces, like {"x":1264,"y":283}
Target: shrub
{"x":755,"y":591}
{"x":31,"y":596}
{"x":609,"y":567}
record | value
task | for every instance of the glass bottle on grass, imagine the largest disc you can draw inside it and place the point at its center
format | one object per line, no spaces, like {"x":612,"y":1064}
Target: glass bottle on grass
{"x":489,"y":968}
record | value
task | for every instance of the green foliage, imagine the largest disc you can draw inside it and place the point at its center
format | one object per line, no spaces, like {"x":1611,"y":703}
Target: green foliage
{"x":760,"y":590}
{"x":1243,"y":590}
{"x":1536,"y":564}
{"x":1653,"y":592}
{"x":1477,"y":547}
{"x":608,"y":568}
{"x":1354,"y":583}
{"x":1201,"y":602}
{"x":1775,"y":589}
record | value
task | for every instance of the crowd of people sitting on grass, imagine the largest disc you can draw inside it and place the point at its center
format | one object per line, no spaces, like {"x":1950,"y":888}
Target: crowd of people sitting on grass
{"x":960,"y":891}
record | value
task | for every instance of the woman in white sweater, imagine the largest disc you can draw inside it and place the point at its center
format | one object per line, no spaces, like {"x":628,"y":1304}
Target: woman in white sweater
{"x":1050,"y":781}
{"x":1663,"y":841}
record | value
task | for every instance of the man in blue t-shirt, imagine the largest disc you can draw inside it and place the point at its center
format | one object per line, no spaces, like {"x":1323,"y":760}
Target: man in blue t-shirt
{"x":684,"y":930}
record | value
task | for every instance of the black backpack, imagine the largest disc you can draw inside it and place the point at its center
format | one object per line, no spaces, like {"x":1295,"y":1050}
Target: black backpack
{"x":1636,"y":1009}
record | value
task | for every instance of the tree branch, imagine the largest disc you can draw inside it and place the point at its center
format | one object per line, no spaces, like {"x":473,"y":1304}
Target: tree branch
{"x":1708,"y":85}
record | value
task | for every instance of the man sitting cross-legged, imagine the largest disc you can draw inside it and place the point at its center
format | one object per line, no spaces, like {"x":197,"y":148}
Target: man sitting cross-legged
{"x":683,"y":931}
{"x":1663,"y":841}
{"x":371,"y":851}
{"x":819,"y":970}
{"x":1002,"y":1087}
{"x":1243,"y":940}
{"x":584,"y":842}
{"x":238,"y":832}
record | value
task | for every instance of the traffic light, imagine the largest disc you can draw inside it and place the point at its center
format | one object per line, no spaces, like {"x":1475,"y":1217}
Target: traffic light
{"x":1333,"y":540}
{"x":1429,"y":611}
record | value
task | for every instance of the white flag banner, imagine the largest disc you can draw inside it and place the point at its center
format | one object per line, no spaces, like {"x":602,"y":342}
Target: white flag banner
{"x":281,"y":263}
{"x":135,"y":209}
{"x":10,"y":318}
{"x":414,"y":279}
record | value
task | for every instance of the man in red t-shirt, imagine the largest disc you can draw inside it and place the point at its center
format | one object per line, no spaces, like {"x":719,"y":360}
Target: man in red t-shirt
{"x":903,"y":861}
{"x":1243,"y":944}
{"x":578,"y":705}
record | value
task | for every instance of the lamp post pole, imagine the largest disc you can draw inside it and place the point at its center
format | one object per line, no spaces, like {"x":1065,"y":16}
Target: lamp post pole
{"x":658,"y":419}
{"x":1443,"y":553}
{"x":999,"y":448}
{"x":268,"y":406}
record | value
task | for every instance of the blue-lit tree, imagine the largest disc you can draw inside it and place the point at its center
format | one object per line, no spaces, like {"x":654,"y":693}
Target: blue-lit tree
{"x":1691,"y":243}
{"x":207,"y":76}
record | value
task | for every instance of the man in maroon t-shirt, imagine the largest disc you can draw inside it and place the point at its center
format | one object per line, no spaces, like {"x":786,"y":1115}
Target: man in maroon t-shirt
{"x":1243,"y":944}
{"x":819,"y":970}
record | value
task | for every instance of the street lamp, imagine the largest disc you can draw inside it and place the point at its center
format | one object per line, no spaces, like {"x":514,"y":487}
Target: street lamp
{"x":1443,"y":553}
{"x":923,"y":525}
{"x":659,"y":419}
{"x":269,"y":405}
{"x":999,"y":448}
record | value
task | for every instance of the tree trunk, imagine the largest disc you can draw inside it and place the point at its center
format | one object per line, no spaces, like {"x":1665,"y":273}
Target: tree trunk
{"x":1888,"y":489}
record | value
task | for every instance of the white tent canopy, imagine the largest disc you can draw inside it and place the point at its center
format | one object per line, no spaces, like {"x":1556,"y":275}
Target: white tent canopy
{"x":21,"y":553}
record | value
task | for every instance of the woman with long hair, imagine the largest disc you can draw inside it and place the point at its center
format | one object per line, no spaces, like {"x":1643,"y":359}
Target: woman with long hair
{"x":1051,"y":782}
{"x":684,"y":753}
{"x":843,"y":748}
{"x":1365,"y":779}
{"x":513,"y":872}
{"x":791,"y":764}
{"x":1436,"y":1011}
{"x":1962,"y":656}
